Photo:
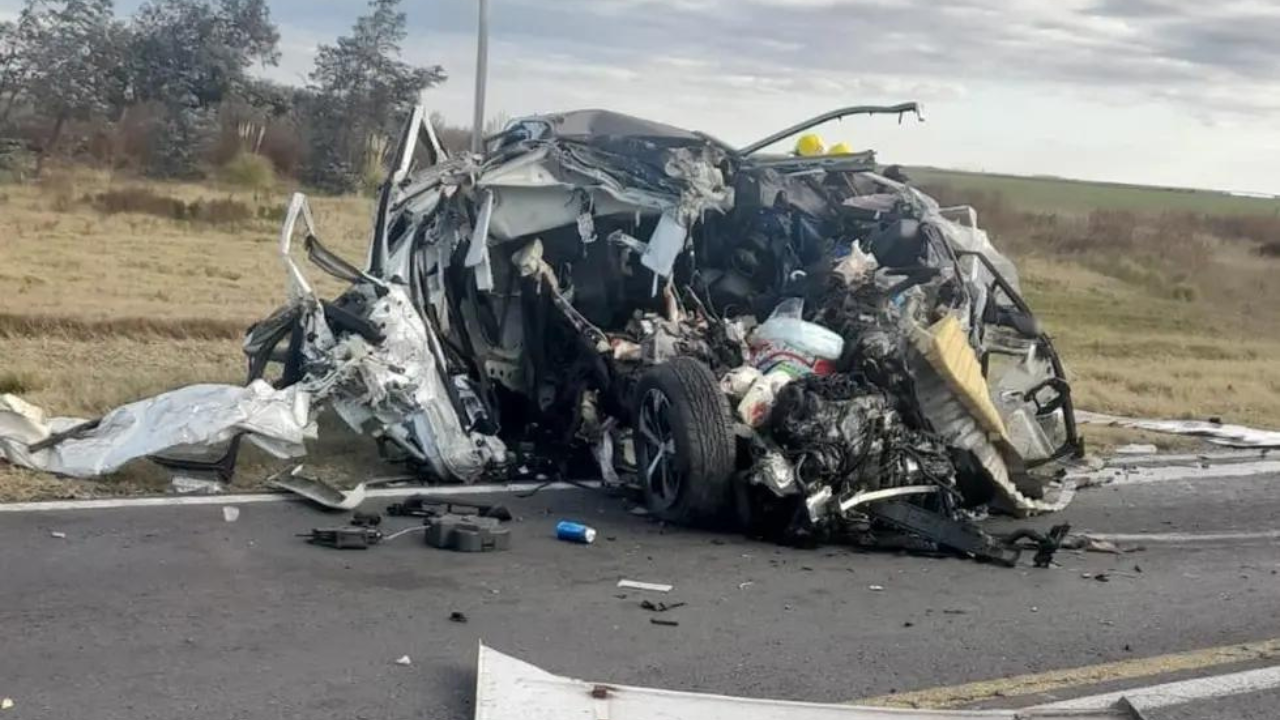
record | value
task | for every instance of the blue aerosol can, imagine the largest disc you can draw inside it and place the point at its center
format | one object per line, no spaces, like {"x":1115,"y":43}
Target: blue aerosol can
{"x":571,"y":531}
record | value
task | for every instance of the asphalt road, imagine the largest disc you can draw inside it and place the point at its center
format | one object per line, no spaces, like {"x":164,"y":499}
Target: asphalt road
{"x":170,"y":612}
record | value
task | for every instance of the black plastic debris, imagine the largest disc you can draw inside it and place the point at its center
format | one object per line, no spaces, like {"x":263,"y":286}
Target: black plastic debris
{"x":366,"y":519}
{"x":1045,"y":544}
{"x":344,"y":538}
{"x":466,"y":533}
{"x":660,"y":606}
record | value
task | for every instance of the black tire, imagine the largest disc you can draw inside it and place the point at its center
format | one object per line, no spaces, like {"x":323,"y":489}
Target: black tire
{"x":679,"y":405}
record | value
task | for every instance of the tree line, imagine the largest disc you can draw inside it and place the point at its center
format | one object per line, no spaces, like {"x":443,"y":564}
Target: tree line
{"x":169,"y":92}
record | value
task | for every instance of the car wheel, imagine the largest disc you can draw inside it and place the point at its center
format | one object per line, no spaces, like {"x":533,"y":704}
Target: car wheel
{"x":684,"y":442}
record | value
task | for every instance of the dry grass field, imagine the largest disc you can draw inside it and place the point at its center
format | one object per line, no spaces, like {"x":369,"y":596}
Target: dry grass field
{"x":116,"y":289}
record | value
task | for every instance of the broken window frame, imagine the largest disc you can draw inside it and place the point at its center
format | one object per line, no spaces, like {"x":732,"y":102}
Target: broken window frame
{"x":900,"y":109}
{"x":1073,"y":446}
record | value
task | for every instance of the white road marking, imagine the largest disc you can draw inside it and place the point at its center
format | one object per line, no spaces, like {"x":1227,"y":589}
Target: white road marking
{"x":1120,"y":475}
{"x":1175,"y":538}
{"x":1179,"y":693}
{"x":242,"y":499}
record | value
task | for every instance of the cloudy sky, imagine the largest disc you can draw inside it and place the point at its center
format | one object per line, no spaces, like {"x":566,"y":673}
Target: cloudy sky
{"x":1178,"y":92}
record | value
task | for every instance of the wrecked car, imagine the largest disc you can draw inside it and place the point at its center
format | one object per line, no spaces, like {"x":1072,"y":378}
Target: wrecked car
{"x":799,"y":341}
{"x":805,"y":345}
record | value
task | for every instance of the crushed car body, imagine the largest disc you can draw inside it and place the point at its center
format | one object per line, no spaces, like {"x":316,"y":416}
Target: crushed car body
{"x":801,"y":344}
{"x":793,"y":342}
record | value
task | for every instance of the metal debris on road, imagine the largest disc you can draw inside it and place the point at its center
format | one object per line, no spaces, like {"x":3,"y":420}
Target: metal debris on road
{"x":637,"y":585}
{"x":317,"y":490}
{"x":660,"y":606}
{"x":404,"y":660}
{"x":510,"y":689}
{"x":230,"y":513}
{"x":466,"y":533}
{"x":344,"y":538}
{"x":875,"y":588}
{"x":58,"y":534}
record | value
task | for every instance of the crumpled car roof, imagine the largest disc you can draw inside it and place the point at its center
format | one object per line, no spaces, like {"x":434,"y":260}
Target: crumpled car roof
{"x":582,"y":124}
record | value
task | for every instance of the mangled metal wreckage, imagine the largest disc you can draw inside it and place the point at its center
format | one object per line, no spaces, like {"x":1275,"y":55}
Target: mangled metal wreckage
{"x":807,"y":344}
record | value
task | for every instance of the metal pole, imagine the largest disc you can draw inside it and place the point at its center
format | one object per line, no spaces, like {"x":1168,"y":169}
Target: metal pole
{"x":482,"y":69}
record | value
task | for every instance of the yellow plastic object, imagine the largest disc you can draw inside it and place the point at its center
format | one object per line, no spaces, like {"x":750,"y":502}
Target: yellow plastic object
{"x":809,"y":144}
{"x":840,"y":148}
{"x":947,"y":349}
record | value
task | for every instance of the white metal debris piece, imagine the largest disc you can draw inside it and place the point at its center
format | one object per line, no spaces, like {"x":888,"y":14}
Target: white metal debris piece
{"x":637,"y":585}
{"x":202,"y":415}
{"x":510,"y":689}
{"x":404,"y":660}
{"x":319,"y":492}
{"x":57,"y":534}
{"x":1237,"y":436}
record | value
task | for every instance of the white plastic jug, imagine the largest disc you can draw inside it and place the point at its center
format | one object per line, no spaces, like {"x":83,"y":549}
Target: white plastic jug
{"x":789,"y":344}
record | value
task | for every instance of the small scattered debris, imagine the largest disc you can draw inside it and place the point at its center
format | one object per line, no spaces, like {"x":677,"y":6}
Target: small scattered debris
{"x":230,"y":513}
{"x":1035,"y":609}
{"x":1127,"y":648}
{"x":366,"y":519}
{"x":404,"y":660}
{"x":637,"y":585}
{"x":660,"y":606}
{"x":575,"y":532}
{"x":458,"y":617}
{"x":317,"y":490}
{"x":6,"y":703}
{"x":1102,"y":577}
{"x":1102,"y":546}
{"x":187,"y":485}
{"x":1138,"y":569}
{"x":58,"y":534}
{"x":745,"y":585}
{"x":664,"y":621}
{"x":908,"y":624}
{"x":875,"y":588}
{"x":951,"y":611}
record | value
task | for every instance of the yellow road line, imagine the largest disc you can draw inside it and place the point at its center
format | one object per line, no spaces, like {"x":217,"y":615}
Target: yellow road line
{"x":956,"y":695}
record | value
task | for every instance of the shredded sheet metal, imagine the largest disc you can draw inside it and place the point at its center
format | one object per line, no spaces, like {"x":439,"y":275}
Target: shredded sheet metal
{"x":194,"y":416}
{"x":947,"y":349}
{"x":1236,"y":436}
{"x":957,"y":425}
{"x":511,"y":689}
